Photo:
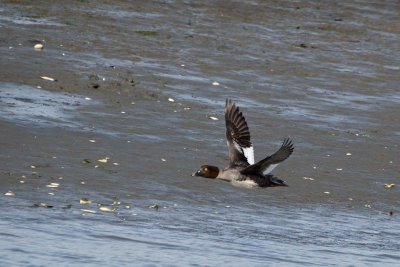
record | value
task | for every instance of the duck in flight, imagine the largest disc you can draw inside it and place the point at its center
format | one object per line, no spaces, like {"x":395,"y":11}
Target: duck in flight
{"x":242,"y":170}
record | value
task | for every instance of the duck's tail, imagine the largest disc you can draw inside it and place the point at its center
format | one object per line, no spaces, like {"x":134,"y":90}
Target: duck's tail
{"x":277,"y":182}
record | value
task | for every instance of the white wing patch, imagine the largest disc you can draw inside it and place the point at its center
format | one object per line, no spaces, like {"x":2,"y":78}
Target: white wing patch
{"x":249,"y":154}
{"x":269,"y":169}
{"x":247,"y":151}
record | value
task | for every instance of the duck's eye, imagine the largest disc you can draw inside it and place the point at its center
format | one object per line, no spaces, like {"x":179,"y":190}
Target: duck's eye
{"x":206,"y":169}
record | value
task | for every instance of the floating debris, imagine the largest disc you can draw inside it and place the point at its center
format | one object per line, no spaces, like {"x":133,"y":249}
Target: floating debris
{"x":51,"y":193}
{"x":92,"y":141}
{"x":215,"y":83}
{"x":116,"y":202}
{"x":171,"y":100}
{"x":187,"y":108}
{"x":53,"y":185}
{"x":339,"y":169}
{"x":303,"y":45}
{"x":33,"y":167}
{"x":88,"y":211}
{"x":38,"y":46}
{"x":88,"y":98}
{"x":83,"y":182}
{"x":123,"y":112}
{"x":350,"y":198}
{"x":147,"y":33}
{"x":348,"y":154}
{"x":9,"y":193}
{"x":22,"y":181}
{"x":105,"y":160}
{"x":127,"y":207}
{"x":42,"y":205}
{"x":213,"y":118}
{"x":308,"y":178}
{"x":84,"y":201}
{"x":367,"y":206}
{"x":106,"y":209}
{"x":116,"y":163}
{"x":48,"y":78}
{"x":86,"y":161}
{"x":162,"y":159}
{"x":327,"y":192}
{"x":389,"y":185}
{"x":154,"y":206}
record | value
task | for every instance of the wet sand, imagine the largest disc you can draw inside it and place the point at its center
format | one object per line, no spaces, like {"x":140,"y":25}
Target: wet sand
{"x":320,"y":73}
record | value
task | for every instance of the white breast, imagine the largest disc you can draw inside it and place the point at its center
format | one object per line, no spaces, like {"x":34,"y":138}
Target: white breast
{"x":245,"y":183}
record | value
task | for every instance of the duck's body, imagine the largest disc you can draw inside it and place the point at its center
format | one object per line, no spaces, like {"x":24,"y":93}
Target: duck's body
{"x":242,"y":171}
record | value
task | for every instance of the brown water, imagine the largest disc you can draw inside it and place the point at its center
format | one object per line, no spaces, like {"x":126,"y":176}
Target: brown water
{"x":324,"y":74}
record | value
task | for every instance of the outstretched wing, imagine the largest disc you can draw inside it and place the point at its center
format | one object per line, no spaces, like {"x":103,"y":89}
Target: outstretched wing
{"x":266,"y":165}
{"x":238,"y":136}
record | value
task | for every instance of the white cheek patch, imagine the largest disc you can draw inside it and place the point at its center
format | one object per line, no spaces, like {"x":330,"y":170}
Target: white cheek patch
{"x":249,"y":154}
{"x":269,"y":169}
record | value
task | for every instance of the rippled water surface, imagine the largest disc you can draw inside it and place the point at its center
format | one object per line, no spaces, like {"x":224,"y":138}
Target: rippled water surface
{"x":128,"y":121}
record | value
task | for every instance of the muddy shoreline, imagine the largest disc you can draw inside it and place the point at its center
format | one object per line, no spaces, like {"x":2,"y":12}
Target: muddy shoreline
{"x":127,"y":120}
{"x":124,"y":57}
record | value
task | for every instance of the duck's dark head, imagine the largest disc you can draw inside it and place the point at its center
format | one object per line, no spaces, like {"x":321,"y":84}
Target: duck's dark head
{"x":207,"y":171}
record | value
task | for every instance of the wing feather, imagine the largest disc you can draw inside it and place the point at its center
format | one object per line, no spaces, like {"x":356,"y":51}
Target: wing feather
{"x":240,"y":148}
{"x":266,"y":165}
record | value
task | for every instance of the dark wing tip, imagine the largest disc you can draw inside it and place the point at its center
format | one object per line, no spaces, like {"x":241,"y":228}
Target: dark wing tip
{"x":236,"y":125}
{"x":288,"y":144}
{"x":283,"y":153}
{"x":275,"y":181}
{"x":228,"y":104}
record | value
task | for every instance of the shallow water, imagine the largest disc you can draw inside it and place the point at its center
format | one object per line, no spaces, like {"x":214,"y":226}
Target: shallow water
{"x":321,"y":73}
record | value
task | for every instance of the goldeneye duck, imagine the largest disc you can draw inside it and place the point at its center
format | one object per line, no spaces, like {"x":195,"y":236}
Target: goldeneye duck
{"x":242,"y":170}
